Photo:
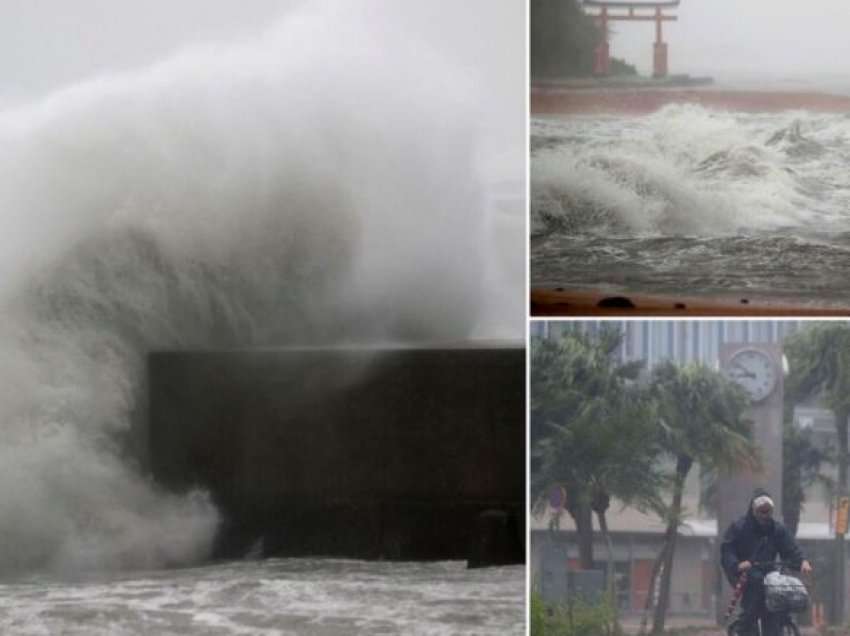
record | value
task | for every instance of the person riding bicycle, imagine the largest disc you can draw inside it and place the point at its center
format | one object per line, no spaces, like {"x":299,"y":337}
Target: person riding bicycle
{"x":758,"y":538}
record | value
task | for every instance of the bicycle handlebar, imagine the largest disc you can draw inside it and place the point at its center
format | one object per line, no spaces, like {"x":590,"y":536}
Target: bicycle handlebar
{"x":780,"y":565}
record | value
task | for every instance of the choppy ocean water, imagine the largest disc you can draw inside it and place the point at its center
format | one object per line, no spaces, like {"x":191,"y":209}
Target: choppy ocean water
{"x":326,"y":597}
{"x":693,"y":201}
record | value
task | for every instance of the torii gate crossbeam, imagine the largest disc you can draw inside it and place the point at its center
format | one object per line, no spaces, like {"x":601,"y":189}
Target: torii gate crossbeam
{"x":602,"y":60}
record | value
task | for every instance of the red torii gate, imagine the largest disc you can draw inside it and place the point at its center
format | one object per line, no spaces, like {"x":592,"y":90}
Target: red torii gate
{"x":601,"y":64}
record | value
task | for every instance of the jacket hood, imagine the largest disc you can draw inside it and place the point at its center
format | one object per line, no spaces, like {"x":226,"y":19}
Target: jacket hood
{"x":751,"y":518}
{"x":758,"y":492}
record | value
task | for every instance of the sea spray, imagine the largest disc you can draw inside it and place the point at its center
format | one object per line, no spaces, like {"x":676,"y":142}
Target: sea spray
{"x":693,"y":201}
{"x":315,"y":186}
{"x":685,"y":170}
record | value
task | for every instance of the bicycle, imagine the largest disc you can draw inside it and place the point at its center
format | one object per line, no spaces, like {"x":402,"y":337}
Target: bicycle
{"x":787,"y":626}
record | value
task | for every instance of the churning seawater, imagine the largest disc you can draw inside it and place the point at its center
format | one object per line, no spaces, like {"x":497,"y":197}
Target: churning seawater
{"x":694,"y":201}
{"x":326,"y":182}
{"x":324,"y":597}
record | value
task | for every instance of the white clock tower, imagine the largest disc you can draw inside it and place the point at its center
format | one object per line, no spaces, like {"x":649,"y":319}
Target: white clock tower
{"x":758,"y":369}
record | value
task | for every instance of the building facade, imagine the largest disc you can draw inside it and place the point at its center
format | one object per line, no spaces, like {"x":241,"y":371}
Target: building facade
{"x":678,"y":340}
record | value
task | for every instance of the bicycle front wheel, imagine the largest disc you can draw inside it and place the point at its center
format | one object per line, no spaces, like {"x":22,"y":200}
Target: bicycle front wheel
{"x":790,"y":629}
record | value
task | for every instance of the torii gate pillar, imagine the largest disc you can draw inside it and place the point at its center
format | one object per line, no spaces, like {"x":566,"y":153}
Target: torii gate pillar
{"x":659,"y":59}
{"x":659,"y":49}
{"x":602,"y":53}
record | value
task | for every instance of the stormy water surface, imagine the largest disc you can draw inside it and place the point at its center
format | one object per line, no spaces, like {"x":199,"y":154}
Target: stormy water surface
{"x":304,"y":187}
{"x":694,"y":201}
{"x":330,"y":597}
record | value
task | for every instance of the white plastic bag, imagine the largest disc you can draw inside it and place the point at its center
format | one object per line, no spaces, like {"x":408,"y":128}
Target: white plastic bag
{"x":784,"y":593}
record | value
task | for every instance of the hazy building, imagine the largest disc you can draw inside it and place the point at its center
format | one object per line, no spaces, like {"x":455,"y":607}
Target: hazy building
{"x":680,"y":340}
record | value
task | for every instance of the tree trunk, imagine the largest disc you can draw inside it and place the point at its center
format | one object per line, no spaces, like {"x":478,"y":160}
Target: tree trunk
{"x":683,"y":466}
{"x":792,"y":484}
{"x":610,"y":573}
{"x":653,"y":575}
{"x":839,"y":587}
{"x":600,"y":504}
{"x":582,"y":515}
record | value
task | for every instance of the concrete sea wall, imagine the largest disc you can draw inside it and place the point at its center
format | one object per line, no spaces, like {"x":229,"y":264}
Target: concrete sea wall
{"x":364,"y":453}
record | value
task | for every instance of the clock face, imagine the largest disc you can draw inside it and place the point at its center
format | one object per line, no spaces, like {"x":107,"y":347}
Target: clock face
{"x":754,"y":371}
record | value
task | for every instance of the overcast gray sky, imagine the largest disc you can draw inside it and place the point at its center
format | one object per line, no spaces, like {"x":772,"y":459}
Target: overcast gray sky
{"x":780,"y":37}
{"x":46,"y":45}
{"x":49,"y":44}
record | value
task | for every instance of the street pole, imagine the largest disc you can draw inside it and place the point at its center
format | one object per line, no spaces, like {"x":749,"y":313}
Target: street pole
{"x":839,"y":591}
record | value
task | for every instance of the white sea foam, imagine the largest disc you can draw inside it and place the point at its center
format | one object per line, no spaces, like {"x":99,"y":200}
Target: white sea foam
{"x":317,"y":185}
{"x":691,"y":170}
{"x":276,"y":597}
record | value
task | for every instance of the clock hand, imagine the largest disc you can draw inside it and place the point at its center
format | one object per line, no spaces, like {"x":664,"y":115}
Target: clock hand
{"x":744,"y":372}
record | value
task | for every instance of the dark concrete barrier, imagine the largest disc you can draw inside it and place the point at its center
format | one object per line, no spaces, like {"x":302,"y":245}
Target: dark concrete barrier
{"x":366,"y":453}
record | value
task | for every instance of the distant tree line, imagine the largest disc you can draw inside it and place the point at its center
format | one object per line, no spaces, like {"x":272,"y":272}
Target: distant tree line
{"x":563,"y":40}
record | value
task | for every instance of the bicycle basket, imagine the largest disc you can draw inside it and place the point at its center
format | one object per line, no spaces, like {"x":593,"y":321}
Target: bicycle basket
{"x":784,"y":593}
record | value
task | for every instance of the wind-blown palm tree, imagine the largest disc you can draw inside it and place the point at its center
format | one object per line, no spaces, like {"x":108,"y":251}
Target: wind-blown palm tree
{"x":700,"y":419}
{"x":819,"y":360}
{"x":591,"y":430}
{"x":802,"y":463}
